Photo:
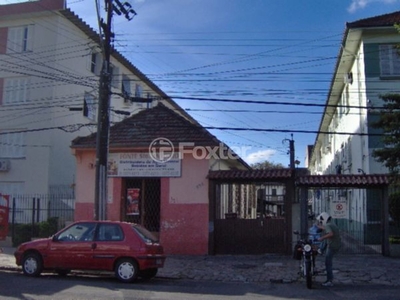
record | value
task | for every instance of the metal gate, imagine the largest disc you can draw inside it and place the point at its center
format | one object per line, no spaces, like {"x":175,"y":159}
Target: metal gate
{"x":247,"y":221}
{"x":143,"y":202}
{"x":257,"y":236}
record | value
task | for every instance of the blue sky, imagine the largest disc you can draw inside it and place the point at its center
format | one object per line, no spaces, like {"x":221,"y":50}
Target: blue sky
{"x":282,"y":53}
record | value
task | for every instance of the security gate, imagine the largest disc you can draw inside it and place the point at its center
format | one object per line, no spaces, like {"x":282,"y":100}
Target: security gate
{"x":257,"y":236}
{"x":143,"y":202}
{"x":247,"y":221}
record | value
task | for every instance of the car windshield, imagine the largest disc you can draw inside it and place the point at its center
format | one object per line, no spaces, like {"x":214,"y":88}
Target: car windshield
{"x":146,"y":235}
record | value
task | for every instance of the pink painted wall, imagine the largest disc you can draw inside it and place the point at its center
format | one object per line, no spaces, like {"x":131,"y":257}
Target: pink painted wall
{"x":184,"y":203}
{"x":184,"y":209}
{"x":84,"y":189}
{"x":116,"y":198}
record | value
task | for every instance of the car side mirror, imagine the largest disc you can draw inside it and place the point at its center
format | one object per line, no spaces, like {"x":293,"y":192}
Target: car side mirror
{"x":54,"y":238}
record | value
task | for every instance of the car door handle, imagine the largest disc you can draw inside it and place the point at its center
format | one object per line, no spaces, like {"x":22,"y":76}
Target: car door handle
{"x":94,"y":246}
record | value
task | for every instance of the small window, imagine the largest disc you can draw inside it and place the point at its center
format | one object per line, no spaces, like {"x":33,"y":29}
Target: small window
{"x":89,"y":107}
{"x":16,"y":90}
{"x":12,"y":145}
{"x":138,"y":91}
{"x":20,"y":39}
{"x":114,"y":71}
{"x":95,"y":63}
{"x":389,"y":60}
{"x":126,"y":88}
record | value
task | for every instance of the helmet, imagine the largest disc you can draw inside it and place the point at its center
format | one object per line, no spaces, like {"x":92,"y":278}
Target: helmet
{"x":323,"y":218}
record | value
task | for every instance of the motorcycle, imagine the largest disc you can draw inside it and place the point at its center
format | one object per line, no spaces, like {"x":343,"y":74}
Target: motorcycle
{"x":306,"y":251}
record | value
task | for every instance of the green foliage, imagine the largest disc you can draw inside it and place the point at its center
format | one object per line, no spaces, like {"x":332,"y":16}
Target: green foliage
{"x":48,"y":228}
{"x":389,"y":123}
{"x":394,"y":239}
{"x":266,"y":165}
{"x":25,"y":232}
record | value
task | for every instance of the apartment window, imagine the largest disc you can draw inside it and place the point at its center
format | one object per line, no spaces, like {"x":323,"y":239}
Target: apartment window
{"x":138,"y":91}
{"x":89,"y":107}
{"x":114,"y":71}
{"x":150,"y":103}
{"x":95,"y":63}
{"x":346,"y":100}
{"x":126,"y":88}
{"x":12,"y":145}
{"x":16,"y":90}
{"x":20,"y":39}
{"x":389,"y":60}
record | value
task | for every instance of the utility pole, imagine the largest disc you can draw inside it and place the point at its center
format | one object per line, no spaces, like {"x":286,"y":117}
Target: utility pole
{"x":103,"y":121}
{"x":103,"y":118}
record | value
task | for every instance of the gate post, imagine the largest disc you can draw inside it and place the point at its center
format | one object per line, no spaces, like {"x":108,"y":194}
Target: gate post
{"x":385,"y":222}
{"x":211,"y":216}
{"x":303,"y":211}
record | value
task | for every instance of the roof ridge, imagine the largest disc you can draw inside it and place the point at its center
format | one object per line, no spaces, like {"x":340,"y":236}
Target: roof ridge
{"x":387,"y":19}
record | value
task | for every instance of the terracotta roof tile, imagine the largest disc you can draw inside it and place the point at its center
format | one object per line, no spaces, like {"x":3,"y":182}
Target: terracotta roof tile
{"x":378,"y":21}
{"x":373,"y":180}
{"x":142,"y":128}
{"x":370,"y":180}
{"x":256,"y":175}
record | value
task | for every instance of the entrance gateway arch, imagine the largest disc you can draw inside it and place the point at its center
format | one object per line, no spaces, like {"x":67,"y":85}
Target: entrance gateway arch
{"x":256,"y":211}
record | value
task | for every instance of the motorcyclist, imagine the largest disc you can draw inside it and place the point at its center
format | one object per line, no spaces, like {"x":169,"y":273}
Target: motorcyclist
{"x":332,"y":237}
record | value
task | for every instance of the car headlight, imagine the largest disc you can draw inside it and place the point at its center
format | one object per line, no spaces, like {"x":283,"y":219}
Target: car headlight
{"x":307,"y":248}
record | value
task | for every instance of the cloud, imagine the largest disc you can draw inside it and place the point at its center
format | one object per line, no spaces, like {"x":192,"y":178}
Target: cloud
{"x":260,"y":156}
{"x":361,"y":4}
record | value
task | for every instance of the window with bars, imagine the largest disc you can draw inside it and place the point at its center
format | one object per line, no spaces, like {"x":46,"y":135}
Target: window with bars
{"x":20,"y":39}
{"x":16,"y":90}
{"x":389,"y":60}
{"x":12,"y":145}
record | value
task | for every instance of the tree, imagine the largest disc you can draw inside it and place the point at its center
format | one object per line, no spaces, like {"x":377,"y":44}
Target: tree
{"x":389,"y":154}
{"x":266,"y":165}
{"x":389,"y":124}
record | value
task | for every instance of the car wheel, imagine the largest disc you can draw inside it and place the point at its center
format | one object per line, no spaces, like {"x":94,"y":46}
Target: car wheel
{"x":126,"y":270}
{"x":32,"y":264}
{"x":63,"y":272}
{"x":148,"y":273}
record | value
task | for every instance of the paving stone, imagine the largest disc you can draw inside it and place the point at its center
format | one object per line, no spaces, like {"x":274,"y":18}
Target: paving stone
{"x":348,"y":270}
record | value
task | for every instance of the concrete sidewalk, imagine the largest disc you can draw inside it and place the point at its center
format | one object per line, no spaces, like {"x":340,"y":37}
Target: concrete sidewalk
{"x":348,"y":269}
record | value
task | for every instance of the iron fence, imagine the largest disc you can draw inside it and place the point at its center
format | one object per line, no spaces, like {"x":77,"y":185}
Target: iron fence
{"x":33,"y":216}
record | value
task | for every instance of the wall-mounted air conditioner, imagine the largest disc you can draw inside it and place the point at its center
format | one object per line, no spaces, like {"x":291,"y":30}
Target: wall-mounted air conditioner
{"x":348,"y":78}
{"x":4,"y":165}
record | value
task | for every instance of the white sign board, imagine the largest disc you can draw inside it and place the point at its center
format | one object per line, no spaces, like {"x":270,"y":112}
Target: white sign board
{"x":142,"y":165}
{"x":339,"y":208}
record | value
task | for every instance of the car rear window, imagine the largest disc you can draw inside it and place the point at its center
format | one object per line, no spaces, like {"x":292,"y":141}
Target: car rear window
{"x":146,"y":235}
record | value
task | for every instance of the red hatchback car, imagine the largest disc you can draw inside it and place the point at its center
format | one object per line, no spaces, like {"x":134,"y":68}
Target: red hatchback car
{"x":129,"y":250}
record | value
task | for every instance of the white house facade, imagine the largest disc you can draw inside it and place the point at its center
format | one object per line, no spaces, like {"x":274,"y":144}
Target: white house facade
{"x":368,"y":66}
{"x":49,"y":84}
